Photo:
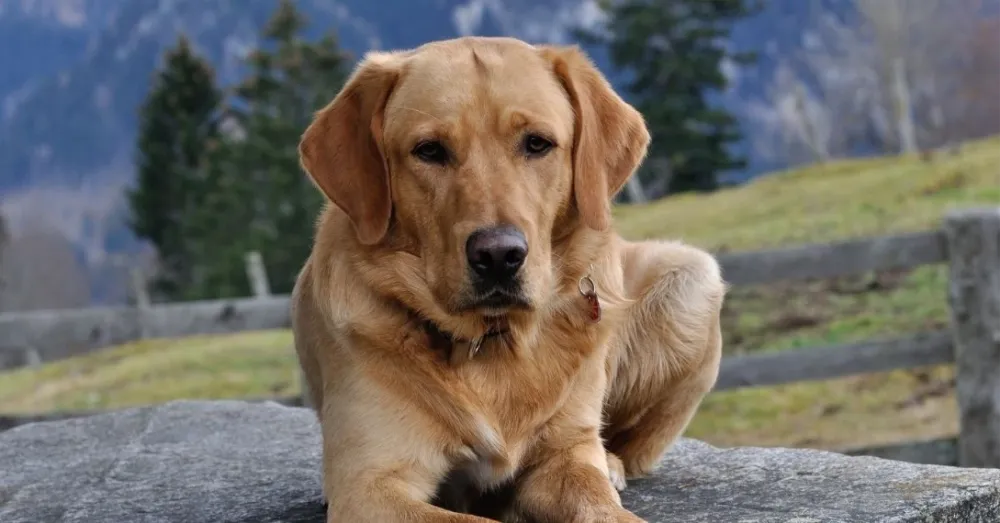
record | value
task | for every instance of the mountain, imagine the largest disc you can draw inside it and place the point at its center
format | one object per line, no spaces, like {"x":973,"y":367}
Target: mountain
{"x":74,"y":73}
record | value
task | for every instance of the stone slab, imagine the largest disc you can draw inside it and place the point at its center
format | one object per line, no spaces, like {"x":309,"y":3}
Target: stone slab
{"x":236,"y":462}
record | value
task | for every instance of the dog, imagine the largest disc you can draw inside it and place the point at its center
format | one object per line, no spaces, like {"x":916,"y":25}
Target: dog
{"x":477,"y":341}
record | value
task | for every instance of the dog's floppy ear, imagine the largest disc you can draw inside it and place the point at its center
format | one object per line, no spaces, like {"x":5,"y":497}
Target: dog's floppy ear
{"x":342,"y":148}
{"x":610,"y":137}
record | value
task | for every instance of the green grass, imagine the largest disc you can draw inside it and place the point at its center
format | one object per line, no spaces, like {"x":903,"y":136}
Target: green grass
{"x":255,"y":364}
{"x":817,"y":204}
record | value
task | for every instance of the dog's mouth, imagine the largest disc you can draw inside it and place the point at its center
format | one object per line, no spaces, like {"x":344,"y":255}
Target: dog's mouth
{"x":497,"y":302}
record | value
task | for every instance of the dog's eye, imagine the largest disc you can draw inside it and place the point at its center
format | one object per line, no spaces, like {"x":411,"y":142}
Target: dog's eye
{"x":431,"y":152}
{"x":535,"y":145}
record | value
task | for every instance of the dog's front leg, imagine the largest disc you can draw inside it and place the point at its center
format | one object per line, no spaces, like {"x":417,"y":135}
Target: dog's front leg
{"x":569,"y":483}
{"x":566,"y":477}
{"x":383,"y":463}
{"x":389,"y":498}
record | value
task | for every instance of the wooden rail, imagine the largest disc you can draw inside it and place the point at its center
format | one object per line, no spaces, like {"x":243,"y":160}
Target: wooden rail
{"x":821,"y":363}
{"x":969,"y":243}
{"x":830,"y":260}
{"x":930,"y":452}
{"x":45,"y":336}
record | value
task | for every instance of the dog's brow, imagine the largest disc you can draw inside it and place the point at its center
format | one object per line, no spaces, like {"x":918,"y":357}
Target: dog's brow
{"x":425,"y":113}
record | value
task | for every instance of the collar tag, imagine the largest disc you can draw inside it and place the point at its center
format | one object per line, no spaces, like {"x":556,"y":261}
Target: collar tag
{"x":474,"y":346}
{"x":588,"y":289}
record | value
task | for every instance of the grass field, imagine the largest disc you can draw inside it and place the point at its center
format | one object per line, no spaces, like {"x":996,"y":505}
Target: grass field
{"x":817,"y":204}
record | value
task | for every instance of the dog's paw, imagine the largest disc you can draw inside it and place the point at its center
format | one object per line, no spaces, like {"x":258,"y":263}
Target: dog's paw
{"x":613,"y":515}
{"x":627,"y":517}
{"x":640,"y":466}
{"x":616,"y":472}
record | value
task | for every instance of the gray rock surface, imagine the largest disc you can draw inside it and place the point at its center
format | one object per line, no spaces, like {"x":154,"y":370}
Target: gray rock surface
{"x":231,"y":461}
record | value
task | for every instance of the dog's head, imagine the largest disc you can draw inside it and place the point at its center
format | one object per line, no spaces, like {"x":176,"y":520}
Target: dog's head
{"x":476,"y":155}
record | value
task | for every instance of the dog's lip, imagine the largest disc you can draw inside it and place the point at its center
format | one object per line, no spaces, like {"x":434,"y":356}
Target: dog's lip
{"x":498,"y":302}
{"x":493,"y":312}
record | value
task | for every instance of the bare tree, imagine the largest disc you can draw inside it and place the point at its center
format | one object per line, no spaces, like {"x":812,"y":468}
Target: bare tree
{"x":887,"y":75}
{"x":979,"y":96}
{"x":922,"y":51}
{"x":794,"y":124}
{"x":890,"y":26}
{"x":40,"y":270}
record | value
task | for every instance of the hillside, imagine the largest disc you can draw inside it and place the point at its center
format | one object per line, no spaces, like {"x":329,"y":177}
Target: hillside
{"x":817,"y":204}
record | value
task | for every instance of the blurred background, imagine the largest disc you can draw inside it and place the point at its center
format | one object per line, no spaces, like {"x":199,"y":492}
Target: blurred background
{"x":148,"y":170}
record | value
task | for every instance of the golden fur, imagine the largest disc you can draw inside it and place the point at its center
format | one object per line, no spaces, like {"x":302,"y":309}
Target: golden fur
{"x":551,"y":418}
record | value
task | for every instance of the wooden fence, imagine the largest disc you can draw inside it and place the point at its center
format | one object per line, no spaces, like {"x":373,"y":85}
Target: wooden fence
{"x":969,"y":242}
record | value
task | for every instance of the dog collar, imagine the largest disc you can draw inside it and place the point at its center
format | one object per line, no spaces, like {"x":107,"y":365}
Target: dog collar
{"x":448,"y":342}
{"x":445,"y":341}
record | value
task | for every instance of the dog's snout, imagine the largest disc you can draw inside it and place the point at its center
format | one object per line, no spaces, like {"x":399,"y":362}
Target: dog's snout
{"x":496,"y":254}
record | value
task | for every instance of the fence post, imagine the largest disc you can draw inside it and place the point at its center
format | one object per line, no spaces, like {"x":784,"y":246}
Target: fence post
{"x":262,"y":289}
{"x":32,"y":358}
{"x":257,"y":274}
{"x":142,"y":301}
{"x":973,"y":237}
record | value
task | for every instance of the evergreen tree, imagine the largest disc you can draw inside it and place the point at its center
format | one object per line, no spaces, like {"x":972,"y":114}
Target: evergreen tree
{"x":258,"y":198}
{"x":673,"y":52}
{"x":177,"y":120}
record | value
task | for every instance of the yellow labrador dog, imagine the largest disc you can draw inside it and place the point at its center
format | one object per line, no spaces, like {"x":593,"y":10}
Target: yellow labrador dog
{"x":476,"y":339}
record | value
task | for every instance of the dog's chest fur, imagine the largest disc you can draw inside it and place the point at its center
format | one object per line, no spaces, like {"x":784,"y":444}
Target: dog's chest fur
{"x":524,"y":387}
{"x":522,"y":393}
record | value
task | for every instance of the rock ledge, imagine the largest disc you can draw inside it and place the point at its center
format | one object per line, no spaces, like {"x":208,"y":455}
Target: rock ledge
{"x":233,"y":461}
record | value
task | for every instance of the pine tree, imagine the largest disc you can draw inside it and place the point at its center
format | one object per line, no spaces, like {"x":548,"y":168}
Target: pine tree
{"x":673,"y":52}
{"x":260,"y":189}
{"x":177,"y":121}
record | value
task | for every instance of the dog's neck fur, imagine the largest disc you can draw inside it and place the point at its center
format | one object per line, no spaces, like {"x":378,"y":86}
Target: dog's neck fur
{"x":457,"y":348}
{"x":498,"y":330}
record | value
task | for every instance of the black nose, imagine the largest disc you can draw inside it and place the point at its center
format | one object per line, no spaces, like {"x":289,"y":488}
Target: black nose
{"x":496,"y":254}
